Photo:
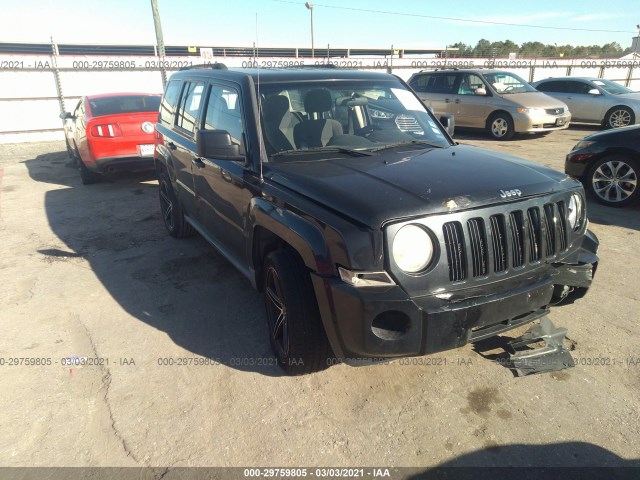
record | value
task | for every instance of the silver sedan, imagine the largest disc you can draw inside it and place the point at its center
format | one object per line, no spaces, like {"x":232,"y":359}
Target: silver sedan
{"x":594,"y":100}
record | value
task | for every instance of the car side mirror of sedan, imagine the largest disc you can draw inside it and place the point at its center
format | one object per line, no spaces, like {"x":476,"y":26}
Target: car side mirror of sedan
{"x":481,"y":91}
{"x":594,"y":91}
{"x":449,"y":124}
{"x":66,"y":116}
{"x":217,"y":144}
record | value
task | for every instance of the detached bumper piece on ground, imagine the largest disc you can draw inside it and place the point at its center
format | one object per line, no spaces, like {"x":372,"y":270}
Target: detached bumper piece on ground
{"x":553,"y":356}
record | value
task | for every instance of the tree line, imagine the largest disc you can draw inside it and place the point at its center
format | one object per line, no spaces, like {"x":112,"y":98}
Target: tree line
{"x":484,"y":48}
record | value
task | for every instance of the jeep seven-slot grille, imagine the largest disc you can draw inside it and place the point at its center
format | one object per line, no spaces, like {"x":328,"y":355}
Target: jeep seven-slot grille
{"x":504,"y":241}
{"x":454,"y":241}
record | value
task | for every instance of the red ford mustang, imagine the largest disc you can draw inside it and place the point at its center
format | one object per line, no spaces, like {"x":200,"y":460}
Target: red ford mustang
{"x":112,"y":132}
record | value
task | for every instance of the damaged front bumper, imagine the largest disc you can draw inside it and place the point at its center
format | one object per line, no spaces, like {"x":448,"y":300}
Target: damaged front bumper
{"x":365,"y":323}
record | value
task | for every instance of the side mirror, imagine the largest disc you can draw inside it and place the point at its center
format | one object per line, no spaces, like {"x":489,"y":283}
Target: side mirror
{"x":481,"y":91}
{"x":594,"y":91}
{"x":217,"y":144}
{"x":449,"y":124}
{"x":66,"y":116}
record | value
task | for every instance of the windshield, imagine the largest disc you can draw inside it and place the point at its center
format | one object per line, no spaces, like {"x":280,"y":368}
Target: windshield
{"x":124,"y":104}
{"x":612,"y":87}
{"x":505,"y":83}
{"x":345,"y":116}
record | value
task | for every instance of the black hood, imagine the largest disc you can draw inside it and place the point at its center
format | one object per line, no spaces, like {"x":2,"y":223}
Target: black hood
{"x":387,"y":186}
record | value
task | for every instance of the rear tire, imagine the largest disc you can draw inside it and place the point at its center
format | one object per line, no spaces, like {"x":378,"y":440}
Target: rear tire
{"x":613,"y":181}
{"x":171,"y":209}
{"x":87,"y":176}
{"x":296,"y":333}
{"x":501,"y":126}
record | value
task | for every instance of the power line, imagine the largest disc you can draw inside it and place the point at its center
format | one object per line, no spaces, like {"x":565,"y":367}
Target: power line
{"x":433,"y":17}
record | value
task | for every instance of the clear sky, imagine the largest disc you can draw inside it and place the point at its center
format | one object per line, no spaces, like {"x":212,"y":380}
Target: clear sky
{"x":340,"y":23}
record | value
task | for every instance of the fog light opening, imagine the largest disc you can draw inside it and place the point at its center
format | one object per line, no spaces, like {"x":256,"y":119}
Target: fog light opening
{"x":391,"y":325}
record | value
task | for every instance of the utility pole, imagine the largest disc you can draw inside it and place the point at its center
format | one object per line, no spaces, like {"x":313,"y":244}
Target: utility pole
{"x":159,"y":40}
{"x":309,"y":5}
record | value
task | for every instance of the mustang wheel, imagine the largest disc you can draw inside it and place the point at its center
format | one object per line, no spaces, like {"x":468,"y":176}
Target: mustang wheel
{"x":619,"y":117}
{"x":171,"y":210}
{"x":296,"y":332}
{"x":501,"y":126}
{"x":613,"y":181}
{"x":87,"y":176}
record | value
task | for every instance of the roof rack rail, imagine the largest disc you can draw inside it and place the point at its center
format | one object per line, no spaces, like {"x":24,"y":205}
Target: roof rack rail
{"x":206,"y":66}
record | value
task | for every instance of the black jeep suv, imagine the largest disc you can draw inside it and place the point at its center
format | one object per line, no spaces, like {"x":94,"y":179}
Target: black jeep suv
{"x":369,"y":231}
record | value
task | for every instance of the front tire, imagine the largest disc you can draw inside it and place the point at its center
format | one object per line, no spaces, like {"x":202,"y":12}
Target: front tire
{"x":619,"y":117}
{"x":613,"y":181}
{"x":501,"y":126}
{"x":171,"y":209}
{"x":296,"y":332}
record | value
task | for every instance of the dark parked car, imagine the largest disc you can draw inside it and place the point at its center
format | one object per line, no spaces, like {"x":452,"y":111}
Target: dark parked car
{"x":111,"y":132}
{"x":594,"y":100}
{"x":369,"y":231}
{"x":608,"y":163}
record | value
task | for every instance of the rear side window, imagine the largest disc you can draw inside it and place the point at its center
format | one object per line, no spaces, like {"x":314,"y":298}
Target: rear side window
{"x":189,"y":106}
{"x":435,"y":83}
{"x":554,"y":86}
{"x":169,"y":100}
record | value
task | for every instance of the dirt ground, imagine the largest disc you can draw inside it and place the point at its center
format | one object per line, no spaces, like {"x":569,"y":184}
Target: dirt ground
{"x":88,"y":271}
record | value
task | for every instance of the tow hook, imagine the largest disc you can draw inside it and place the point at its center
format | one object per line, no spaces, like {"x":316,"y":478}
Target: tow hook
{"x":551,"y":357}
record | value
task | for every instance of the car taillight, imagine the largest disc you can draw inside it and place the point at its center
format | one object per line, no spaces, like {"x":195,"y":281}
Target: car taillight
{"x":108,"y":130}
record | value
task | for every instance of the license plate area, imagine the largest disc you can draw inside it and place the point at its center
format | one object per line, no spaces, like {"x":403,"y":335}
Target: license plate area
{"x":147,"y":150}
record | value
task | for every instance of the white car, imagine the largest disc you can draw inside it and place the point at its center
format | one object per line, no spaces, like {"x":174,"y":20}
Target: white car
{"x":594,"y":100}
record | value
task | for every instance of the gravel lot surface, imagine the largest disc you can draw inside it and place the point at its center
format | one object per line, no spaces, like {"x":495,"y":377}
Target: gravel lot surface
{"x":88,"y":271}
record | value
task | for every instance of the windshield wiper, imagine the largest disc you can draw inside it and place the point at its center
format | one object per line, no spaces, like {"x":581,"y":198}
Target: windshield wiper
{"x":402,"y":144}
{"x":348,"y":151}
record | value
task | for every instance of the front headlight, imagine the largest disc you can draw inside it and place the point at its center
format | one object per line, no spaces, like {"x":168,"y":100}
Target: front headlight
{"x":412,"y":248}
{"x":531,"y":111}
{"x":379,"y":113}
{"x":576,"y":211}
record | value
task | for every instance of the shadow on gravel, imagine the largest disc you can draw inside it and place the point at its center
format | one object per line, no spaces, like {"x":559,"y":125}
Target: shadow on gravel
{"x":567,"y":461}
{"x":627,"y":217}
{"x":182,"y":287}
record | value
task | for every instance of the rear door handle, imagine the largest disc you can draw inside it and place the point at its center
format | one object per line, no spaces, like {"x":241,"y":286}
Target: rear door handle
{"x":446,"y":100}
{"x":197,"y":162}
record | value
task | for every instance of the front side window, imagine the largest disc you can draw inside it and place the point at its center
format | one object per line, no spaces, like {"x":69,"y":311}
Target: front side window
{"x":469,"y":84}
{"x":508,"y":83}
{"x":224,"y":112}
{"x":575,"y":87}
{"x":347,"y":115}
{"x":189,"y":105}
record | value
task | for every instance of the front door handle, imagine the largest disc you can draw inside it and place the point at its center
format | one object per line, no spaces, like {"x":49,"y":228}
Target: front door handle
{"x":197,"y":162}
{"x":457,"y":100}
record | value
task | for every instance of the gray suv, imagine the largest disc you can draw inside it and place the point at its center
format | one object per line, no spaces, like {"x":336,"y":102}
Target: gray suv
{"x":500,"y":102}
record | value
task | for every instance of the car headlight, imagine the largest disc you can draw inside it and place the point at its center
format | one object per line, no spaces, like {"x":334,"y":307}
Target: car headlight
{"x":380,"y":114}
{"x":576,"y":211}
{"x":531,"y":111}
{"x":412,"y":248}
